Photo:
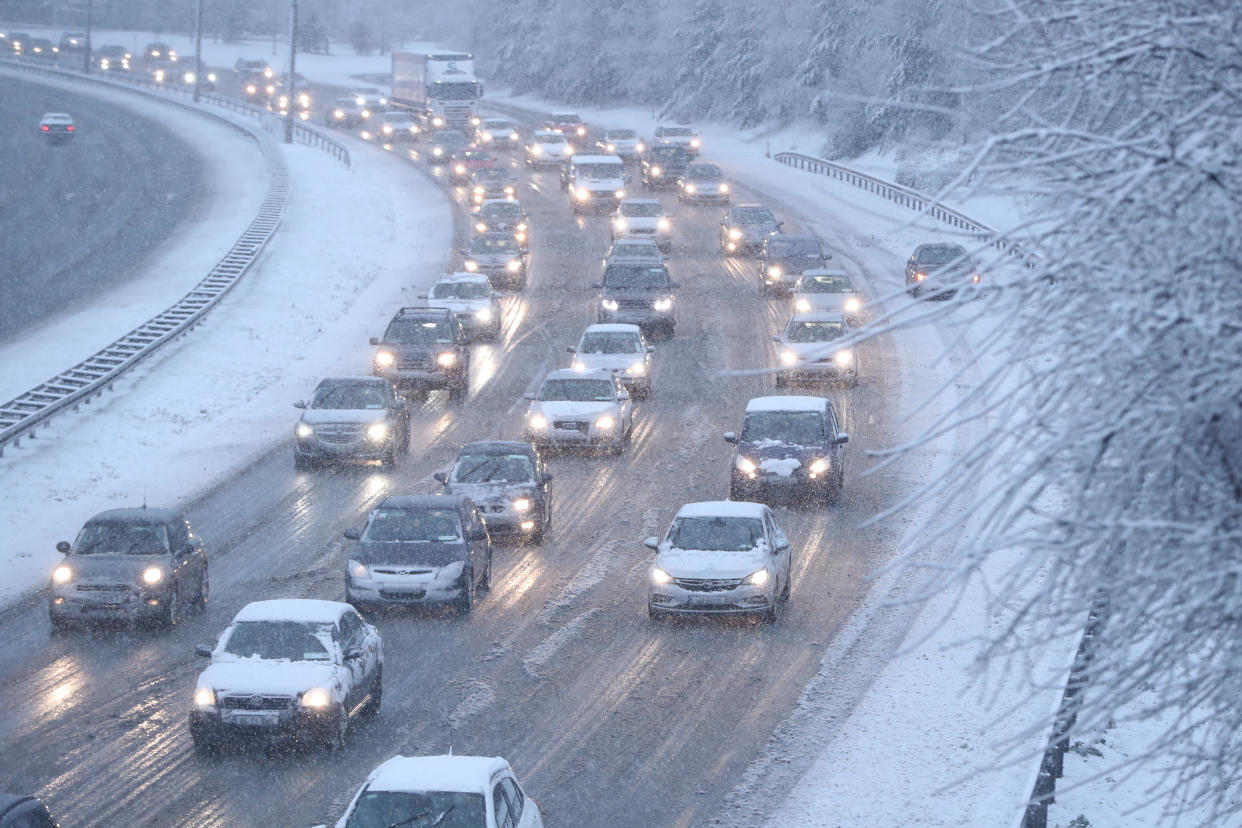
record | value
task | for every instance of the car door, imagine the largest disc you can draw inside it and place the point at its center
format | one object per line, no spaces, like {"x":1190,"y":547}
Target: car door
{"x":198,"y":558}
{"x":836,"y":450}
{"x":477,"y":539}
{"x":350,"y":640}
{"x":624,"y":404}
{"x":783,"y":557}
{"x":502,"y":817}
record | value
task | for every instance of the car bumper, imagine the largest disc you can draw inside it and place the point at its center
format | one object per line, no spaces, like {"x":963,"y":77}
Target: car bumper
{"x":645,"y":318}
{"x":296,"y":725}
{"x":820,"y":372}
{"x":663,"y":238}
{"x":502,"y":519}
{"x":396,"y":590}
{"x":798,"y":484}
{"x":741,"y":600}
{"x":573,"y":438}
{"x":134,"y":605}
{"x":418,"y":379}
{"x":316,"y":449}
{"x":705,"y":198}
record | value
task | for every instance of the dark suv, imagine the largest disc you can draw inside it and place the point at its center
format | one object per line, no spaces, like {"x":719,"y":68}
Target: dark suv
{"x":790,"y":447}
{"x":664,"y":165}
{"x":783,"y":259}
{"x":509,"y":483}
{"x":424,"y":349}
{"x":638,"y":292}
{"x":420,"y":549}
{"x":352,"y":418}
{"x":940,"y":269}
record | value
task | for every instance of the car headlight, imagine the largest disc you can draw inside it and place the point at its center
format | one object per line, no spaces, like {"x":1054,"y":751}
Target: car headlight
{"x":537,"y":421}
{"x":303,"y":99}
{"x":152,"y":575}
{"x":852,"y":305}
{"x":582,"y":193}
{"x":581,"y":130}
{"x":774,"y":272}
{"x":338,"y":114}
{"x":519,"y":237}
{"x":62,"y":575}
{"x":843,"y":358}
{"x":920,"y":276}
{"x":513,"y":136}
{"x":640,"y":147}
{"x":514,"y":265}
{"x":377,"y":432}
{"x":483,"y":314}
{"x":608,"y":304}
{"x":758,"y":578}
{"x":735,"y":234}
{"x":604,"y":422}
{"x":303,"y":430}
{"x":655,"y":171}
{"x":437,"y":121}
{"x":724,"y":188}
{"x":471,"y":265}
{"x":536,"y":150}
{"x":522,"y":504}
{"x":521,"y":228}
{"x":659,"y":576}
{"x":211,"y":77}
{"x":205,"y":697}
{"x":663,"y":304}
{"x":386,"y":129}
{"x":580,"y":367}
{"x":189,"y":77}
{"x":509,"y":191}
{"x":802,"y":305}
{"x":819,"y":466}
{"x":663,"y":224}
{"x":789,"y":358}
{"x":611,"y":147}
{"x":460,"y":169}
{"x":637,"y":369}
{"x":360,"y":101}
{"x":478,"y":191}
{"x":475,"y":121}
{"x":690,"y":188}
{"x":695,"y":142}
{"x":316,"y":697}
{"x":746,"y":465}
{"x":358,"y":570}
{"x":437,"y":151}
{"x":620,"y":224}
{"x":569,"y":150}
{"x":251,"y":89}
{"x":446,"y":359}
{"x":385,"y":359}
{"x":619,"y":193}
{"x":480,"y":227}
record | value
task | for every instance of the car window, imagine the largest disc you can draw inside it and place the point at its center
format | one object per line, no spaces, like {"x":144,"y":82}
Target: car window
{"x":938,"y":254}
{"x":642,"y":208}
{"x":121,"y":538}
{"x":460,"y":290}
{"x":617,"y":134}
{"x":610,"y":343}
{"x":352,"y":631}
{"x":444,"y":809}
{"x":179,"y":534}
{"x":705,"y":173}
{"x":500,"y":808}
{"x":429,"y":331}
{"x":349,"y":396}
{"x":493,"y":468}
{"x":831,"y":283}
{"x":799,"y":428}
{"x":484,"y":244}
{"x":802,"y":332}
{"x":415,"y":524}
{"x":636,"y":276}
{"x":753,"y":216}
{"x":716,"y":534}
{"x":280,"y":640}
{"x":576,"y":390}
{"x":517,"y":800}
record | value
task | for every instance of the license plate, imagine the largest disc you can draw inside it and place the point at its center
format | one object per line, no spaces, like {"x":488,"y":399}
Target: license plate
{"x":256,"y":718}
{"x":702,"y":600}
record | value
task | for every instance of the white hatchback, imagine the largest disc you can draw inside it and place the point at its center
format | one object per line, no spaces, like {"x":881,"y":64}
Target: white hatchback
{"x":643,"y":218}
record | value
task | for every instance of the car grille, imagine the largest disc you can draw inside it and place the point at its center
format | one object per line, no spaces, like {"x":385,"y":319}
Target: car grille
{"x":634,"y":304}
{"x":400,"y":570}
{"x":256,"y":702}
{"x":119,"y":588}
{"x":707,"y":584}
{"x":571,"y":425}
{"x":389,"y":595}
{"x":340,"y":432}
{"x":415,"y":363}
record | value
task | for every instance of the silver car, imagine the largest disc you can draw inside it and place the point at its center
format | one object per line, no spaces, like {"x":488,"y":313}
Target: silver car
{"x":580,"y":410}
{"x":623,"y":143}
{"x":129,"y":565}
{"x":808,"y":351}
{"x":828,"y":290}
{"x":471,"y":299}
{"x":619,"y":349}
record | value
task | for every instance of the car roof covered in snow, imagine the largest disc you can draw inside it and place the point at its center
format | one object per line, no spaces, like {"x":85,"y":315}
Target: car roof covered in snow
{"x":787,"y":403}
{"x":722,"y":508}
{"x":421,"y":501}
{"x":414,"y":774}
{"x":597,"y":159}
{"x":461,"y":277}
{"x":571,"y":374}
{"x":612,"y":327}
{"x":498,"y":447}
{"x":306,"y":610}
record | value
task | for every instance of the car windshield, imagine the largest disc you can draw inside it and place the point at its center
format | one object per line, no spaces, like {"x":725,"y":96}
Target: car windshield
{"x":461,"y":290}
{"x":576,"y":390}
{"x":493,"y":468}
{"x":802,"y":247}
{"x":556,"y":138}
{"x":939,"y":254}
{"x":704,"y":173}
{"x":814,"y":331}
{"x":121,"y":538}
{"x":798,"y":428}
{"x":473,"y":156}
{"x":485,"y":244}
{"x":497,"y":126}
{"x":825,"y":283}
{"x":642,"y":209}
{"x":756,"y":215}
{"x":443,"y":809}
{"x":448,"y":139}
{"x":644,"y":250}
{"x":620,"y":134}
{"x":419,"y":331}
{"x":635,"y":276}
{"x":348,"y":395}
{"x":677,"y":132}
{"x":664,"y":154}
{"x":398,"y":120}
{"x":610,"y":342}
{"x":598,"y":171}
{"x":494,"y":174}
{"x":716,"y":534}
{"x":566,"y":119}
{"x":507,"y":210}
{"x":422,"y":524}
{"x":274,"y":640}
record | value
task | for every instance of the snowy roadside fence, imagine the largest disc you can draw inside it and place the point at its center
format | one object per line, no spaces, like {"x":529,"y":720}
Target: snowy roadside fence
{"x":270,"y":120}
{"x":913,"y":199}
{"x":22,"y":416}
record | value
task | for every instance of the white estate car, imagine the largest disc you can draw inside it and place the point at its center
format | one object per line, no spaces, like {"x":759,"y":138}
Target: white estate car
{"x":682,"y":136}
{"x":472,"y":300}
{"x":623,"y":143}
{"x":643,"y":218}
{"x":809,"y":351}
{"x":618,"y":348}
{"x":828,"y":290}
{"x":580,"y":410}
{"x":446,"y":791}
{"x":296,"y":669}
{"x":548,"y":148}
{"x":722,"y":557}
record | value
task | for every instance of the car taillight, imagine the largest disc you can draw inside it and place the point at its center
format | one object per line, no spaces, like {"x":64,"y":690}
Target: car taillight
{"x":69,"y":128}
{"x":43,"y":127}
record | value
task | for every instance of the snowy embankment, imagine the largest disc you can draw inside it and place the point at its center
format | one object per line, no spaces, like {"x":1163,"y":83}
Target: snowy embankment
{"x":353,"y":245}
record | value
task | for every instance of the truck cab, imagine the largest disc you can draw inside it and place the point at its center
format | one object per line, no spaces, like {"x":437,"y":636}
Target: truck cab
{"x":439,"y":88}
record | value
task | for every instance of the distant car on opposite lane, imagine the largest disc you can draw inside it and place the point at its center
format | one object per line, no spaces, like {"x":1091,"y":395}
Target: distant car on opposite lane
{"x":57,"y":127}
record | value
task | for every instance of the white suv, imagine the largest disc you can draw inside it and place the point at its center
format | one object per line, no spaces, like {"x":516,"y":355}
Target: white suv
{"x":643,"y":218}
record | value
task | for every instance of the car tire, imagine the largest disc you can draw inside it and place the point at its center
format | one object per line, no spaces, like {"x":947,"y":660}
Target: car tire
{"x":204,"y":745}
{"x":485,"y":583}
{"x":301,"y":463}
{"x":204,"y":590}
{"x":171,"y":612}
{"x":457,"y":391}
{"x":465,"y":603}
{"x":377,"y":694}
{"x":769,"y":615}
{"x":781,"y":381}
{"x":389,"y":460}
{"x":785,"y":590}
{"x":336,"y":739}
{"x":653,"y":613}
{"x":405,"y":438}
{"x":60,"y":626}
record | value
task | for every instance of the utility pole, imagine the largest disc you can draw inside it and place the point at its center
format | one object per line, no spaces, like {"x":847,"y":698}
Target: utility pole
{"x":290,"y":103}
{"x":86,"y":58}
{"x":198,"y":49}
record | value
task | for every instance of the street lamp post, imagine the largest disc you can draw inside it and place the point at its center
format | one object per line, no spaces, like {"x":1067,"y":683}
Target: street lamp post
{"x":86,"y":58}
{"x":290,"y":103}
{"x":198,"y":50}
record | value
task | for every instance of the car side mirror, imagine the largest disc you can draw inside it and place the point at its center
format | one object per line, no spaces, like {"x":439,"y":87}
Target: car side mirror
{"x":300,"y":404}
{"x":477,"y":535}
{"x":529,"y":395}
{"x":353,"y":653}
{"x":775,"y":338}
{"x":463,"y":251}
{"x":730,"y":436}
{"x":353,"y":534}
{"x":441,"y":477}
{"x":651,"y":349}
{"x":827,"y":256}
{"x":573,"y":349}
{"x":421,"y":295}
{"x":652,"y":543}
{"x":203,"y":650}
{"x":597,"y":285}
{"x":623,"y":395}
{"x":63,"y":547}
{"x":780,"y":224}
{"x":547,"y":478}
{"x":375,"y":340}
{"x":781,"y":544}
{"x":842,"y":438}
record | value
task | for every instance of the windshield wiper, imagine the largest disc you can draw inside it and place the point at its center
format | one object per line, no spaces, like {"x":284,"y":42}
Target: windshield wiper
{"x":441,"y":817}
{"x":410,"y":821}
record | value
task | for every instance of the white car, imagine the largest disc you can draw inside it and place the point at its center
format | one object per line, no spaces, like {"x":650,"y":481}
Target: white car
{"x":548,"y":148}
{"x":619,"y":349}
{"x":808,"y":349}
{"x":446,"y":791}
{"x":682,"y":136}
{"x":580,"y":410}
{"x":397,"y":126}
{"x":498,"y":133}
{"x":296,"y":669}
{"x":828,"y":290}
{"x":643,"y":218}
{"x":369,"y":97}
{"x":471,"y":299}
{"x":720,"y":558}
{"x":623,"y":143}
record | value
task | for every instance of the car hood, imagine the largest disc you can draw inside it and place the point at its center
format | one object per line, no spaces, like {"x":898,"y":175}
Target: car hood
{"x":493,"y":492}
{"x":463,"y":305}
{"x":691,"y":563}
{"x":417,"y":348}
{"x":799,"y":262}
{"x":502,"y":223}
{"x":572,"y":410}
{"x":643,"y":222}
{"x":422,"y":554}
{"x":827,"y":301}
{"x":757,"y":231}
{"x":814,"y":350}
{"x":494,"y":258}
{"x":772,"y":450}
{"x":602,"y":183}
{"x":277,"y":678}
{"x":608,"y":362}
{"x":637,"y":293}
{"x":127,"y":568}
{"x":320,"y":416}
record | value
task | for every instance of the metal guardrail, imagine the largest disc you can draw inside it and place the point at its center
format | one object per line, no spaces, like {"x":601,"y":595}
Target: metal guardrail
{"x":21,"y":417}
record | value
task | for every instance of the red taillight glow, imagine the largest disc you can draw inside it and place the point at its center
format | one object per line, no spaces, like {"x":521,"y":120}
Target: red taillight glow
{"x":70,"y":127}
{"x":44,"y":127}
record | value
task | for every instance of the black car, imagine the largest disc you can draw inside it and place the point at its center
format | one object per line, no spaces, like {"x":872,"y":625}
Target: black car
{"x":499,"y":256}
{"x":444,"y":143}
{"x":420,"y":549}
{"x":41,"y":47}
{"x":509,"y":483}
{"x":790,"y":447}
{"x":424,"y":349}
{"x":352,"y":418}
{"x":784,"y":257}
{"x":940,"y":269}
{"x":24,"y":812}
{"x":663,"y":165}
{"x":503,"y":215}
{"x":159,"y":53}
{"x":112,"y":58}
{"x":745,"y":226}
{"x":638,"y":292}
{"x":129,"y":565}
